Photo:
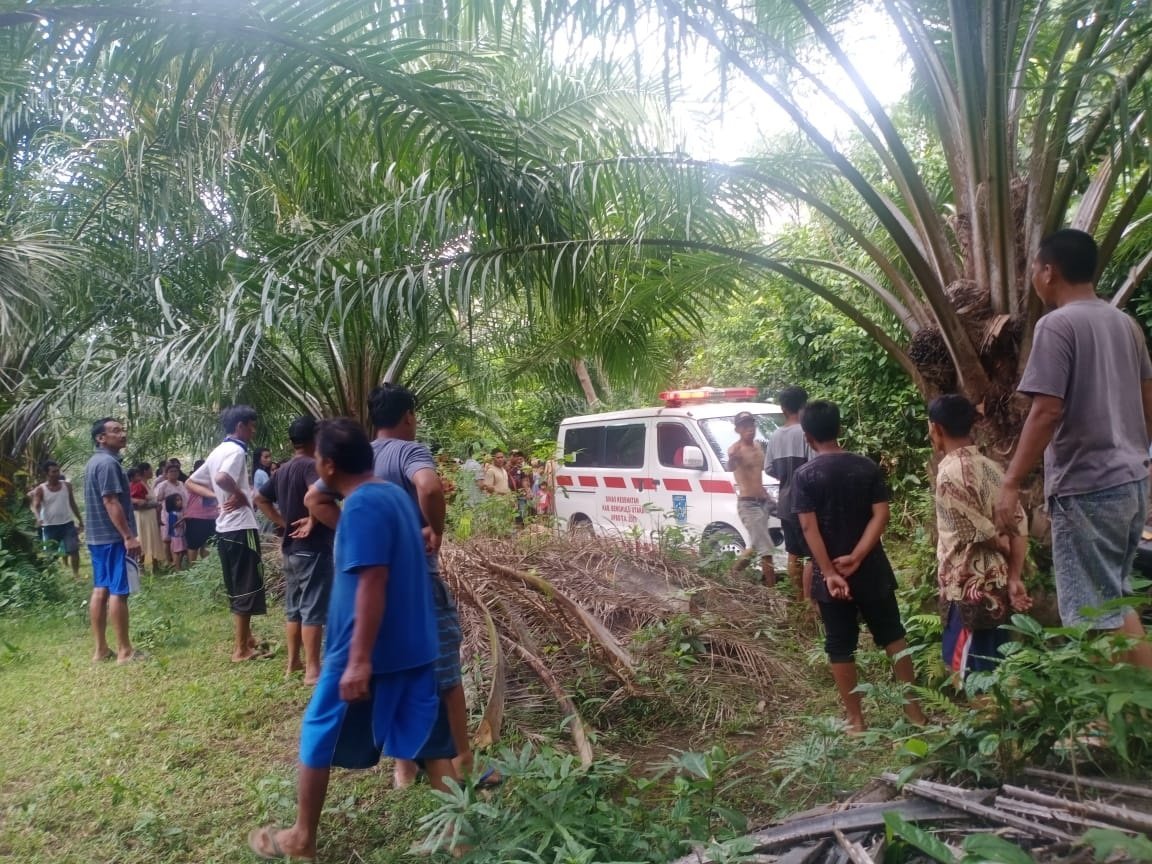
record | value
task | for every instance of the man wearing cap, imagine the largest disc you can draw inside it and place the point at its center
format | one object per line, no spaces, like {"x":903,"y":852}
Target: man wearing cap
{"x":746,"y":462}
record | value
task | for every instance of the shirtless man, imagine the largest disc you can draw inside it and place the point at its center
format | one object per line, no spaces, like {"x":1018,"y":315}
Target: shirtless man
{"x":746,"y":462}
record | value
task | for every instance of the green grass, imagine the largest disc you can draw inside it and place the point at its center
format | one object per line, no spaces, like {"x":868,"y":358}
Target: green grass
{"x":172,"y":760}
{"x":176,"y":759}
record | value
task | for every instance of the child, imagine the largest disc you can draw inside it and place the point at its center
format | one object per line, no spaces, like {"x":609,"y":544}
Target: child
{"x":174,"y":507}
{"x":842,"y":504}
{"x":979,"y":568}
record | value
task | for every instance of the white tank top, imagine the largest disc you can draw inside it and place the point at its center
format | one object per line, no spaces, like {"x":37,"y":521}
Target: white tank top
{"x":55,"y":508}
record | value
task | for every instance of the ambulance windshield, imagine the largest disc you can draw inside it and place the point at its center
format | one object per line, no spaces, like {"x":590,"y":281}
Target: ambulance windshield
{"x":722,"y":435}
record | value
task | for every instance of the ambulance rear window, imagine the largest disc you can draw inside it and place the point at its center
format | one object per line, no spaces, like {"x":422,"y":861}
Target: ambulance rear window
{"x":605,"y":446}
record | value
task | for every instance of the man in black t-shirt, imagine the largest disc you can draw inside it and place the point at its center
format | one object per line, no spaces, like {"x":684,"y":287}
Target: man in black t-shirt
{"x":306,"y":549}
{"x":842,"y":503}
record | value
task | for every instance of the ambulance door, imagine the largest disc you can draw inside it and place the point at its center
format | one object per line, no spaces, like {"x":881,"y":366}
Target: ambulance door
{"x":599,"y":482}
{"x":676,"y":497}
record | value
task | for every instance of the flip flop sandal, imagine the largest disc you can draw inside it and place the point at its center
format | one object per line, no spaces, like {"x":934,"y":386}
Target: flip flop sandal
{"x":488,"y":780}
{"x":111,"y":655}
{"x":269,"y":850}
{"x":134,"y":657}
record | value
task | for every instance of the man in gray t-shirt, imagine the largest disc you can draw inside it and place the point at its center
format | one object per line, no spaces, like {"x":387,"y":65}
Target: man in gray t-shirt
{"x":1088,"y":363}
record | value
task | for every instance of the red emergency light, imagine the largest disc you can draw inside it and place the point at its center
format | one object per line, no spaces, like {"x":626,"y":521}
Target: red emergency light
{"x":676,"y":398}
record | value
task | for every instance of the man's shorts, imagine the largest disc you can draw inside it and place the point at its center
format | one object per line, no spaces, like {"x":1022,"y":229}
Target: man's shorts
{"x":396,"y":719}
{"x":967,"y":650}
{"x":874,"y":600}
{"x":1094,"y":540}
{"x":794,"y":542}
{"x":109,"y":568}
{"x":65,"y":536}
{"x":243,"y":570}
{"x":448,"y":630}
{"x":197,"y":533}
{"x":755,"y":513}
{"x":307,"y":586}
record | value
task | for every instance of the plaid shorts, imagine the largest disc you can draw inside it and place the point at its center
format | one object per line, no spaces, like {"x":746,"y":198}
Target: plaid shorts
{"x":448,"y":629}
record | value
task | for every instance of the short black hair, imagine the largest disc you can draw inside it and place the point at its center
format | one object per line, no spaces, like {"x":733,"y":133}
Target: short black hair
{"x":954,"y":414}
{"x":98,"y":427}
{"x":792,"y":399}
{"x":171,"y":501}
{"x":496,"y":450}
{"x":344,"y":442}
{"x":302,"y":430}
{"x":49,"y":463}
{"x":1072,"y":252}
{"x":171,"y":465}
{"x":388,"y":403}
{"x":143,"y":466}
{"x":234,"y":415}
{"x":197,"y":464}
{"x":519,"y":453}
{"x":133,"y":473}
{"x":821,"y":421}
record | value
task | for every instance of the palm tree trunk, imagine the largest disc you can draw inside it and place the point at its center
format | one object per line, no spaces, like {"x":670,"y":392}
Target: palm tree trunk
{"x":581,"y":370}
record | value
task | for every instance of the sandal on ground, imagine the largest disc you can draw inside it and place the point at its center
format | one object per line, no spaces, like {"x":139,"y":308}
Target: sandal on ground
{"x":134,"y":657}
{"x":488,"y":780}
{"x":262,"y":842}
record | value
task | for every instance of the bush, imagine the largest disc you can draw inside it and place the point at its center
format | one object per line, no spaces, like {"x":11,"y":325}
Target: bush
{"x":28,"y":579}
{"x":550,"y":808}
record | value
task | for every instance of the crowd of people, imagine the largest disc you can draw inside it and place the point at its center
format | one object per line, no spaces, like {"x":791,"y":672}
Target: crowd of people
{"x":372,"y":626}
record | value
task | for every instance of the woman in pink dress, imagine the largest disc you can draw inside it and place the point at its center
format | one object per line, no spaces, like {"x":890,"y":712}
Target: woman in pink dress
{"x":199,"y":521}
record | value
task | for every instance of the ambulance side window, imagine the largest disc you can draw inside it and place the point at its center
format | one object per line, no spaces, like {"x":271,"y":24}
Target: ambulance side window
{"x":624,"y":446}
{"x":671,"y":439}
{"x":585,"y":444}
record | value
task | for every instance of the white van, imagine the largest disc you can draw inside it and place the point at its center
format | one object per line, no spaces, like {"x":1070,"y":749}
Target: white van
{"x":637,"y":473}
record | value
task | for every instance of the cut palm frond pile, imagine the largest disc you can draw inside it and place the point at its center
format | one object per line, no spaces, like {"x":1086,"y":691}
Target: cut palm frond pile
{"x":592,"y":626}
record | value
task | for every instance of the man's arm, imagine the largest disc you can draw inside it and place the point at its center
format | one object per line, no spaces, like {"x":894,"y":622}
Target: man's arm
{"x":847,"y":565}
{"x":34,"y":504}
{"x":1043,"y":418}
{"x":269,"y":509}
{"x":371,"y":597}
{"x":322,"y":507}
{"x":199,"y":481}
{"x":1146,"y":399}
{"x":837,"y":585}
{"x":430,"y":494}
{"x":120,"y":521}
{"x":75,"y":509}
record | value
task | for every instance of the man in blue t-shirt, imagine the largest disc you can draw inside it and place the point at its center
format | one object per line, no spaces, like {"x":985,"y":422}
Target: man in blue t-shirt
{"x":377,"y":691}
{"x":112,"y":539}
{"x":400,"y":459}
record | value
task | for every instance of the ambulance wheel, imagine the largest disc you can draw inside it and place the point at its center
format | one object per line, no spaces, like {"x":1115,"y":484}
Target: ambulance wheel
{"x":721,"y":540}
{"x":581,"y":526}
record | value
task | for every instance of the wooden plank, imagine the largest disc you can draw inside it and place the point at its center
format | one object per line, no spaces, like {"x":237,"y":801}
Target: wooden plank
{"x":953,"y":797}
{"x":856,"y":853}
{"x":1108,"y":812}
{"x":855,"y":819}
{"x":1128,"y":789}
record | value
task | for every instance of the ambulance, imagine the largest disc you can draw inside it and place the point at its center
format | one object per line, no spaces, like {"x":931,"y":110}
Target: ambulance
{"x":641,"y":473}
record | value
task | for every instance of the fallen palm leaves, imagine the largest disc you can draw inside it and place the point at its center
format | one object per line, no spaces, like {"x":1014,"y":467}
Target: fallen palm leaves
{"x":588,"y":623}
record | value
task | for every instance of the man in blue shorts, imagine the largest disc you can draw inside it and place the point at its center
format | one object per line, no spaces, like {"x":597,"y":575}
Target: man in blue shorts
{"x":111,"y":539}
{"x":377,"y":692}
{"x":400,"y":459}
{"x":1090,"y":379}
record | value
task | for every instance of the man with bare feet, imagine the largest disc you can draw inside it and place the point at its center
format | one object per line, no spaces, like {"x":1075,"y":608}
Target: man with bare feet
{"x":112,"y":539}
{"x":842,"y":503}
{"x":746,"y":462}
{"x":1090,"y":379}
{"x":224,"y":476}
{"x":377,"y":692}
{"x":306,"y":550}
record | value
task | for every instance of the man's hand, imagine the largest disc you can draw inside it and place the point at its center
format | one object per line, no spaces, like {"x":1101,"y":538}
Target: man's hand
{"x":355,"y":682}
{"x":132,"y":547}
{"x":1005,"y":510}
{"x":847,"y":565}
{"x":837,"y":586}
{"x":432,"y":541}
{"x":302,"y":528}
{"x":235,"y":501}
{"x":1018,"y":596}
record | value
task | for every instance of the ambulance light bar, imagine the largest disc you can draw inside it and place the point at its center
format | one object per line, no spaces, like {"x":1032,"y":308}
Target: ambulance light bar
{"x":676,"y":398}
